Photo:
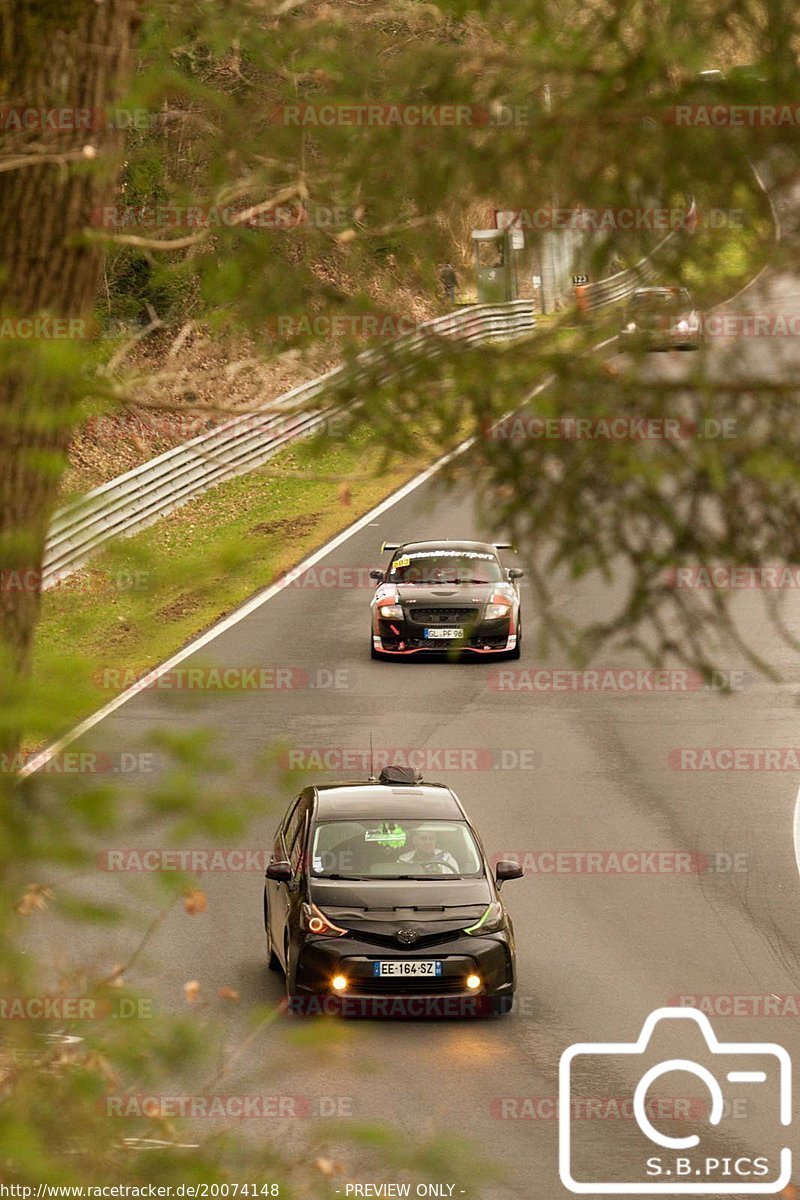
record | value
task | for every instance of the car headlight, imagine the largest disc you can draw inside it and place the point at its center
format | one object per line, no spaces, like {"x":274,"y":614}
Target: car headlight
{"x":630,"y":327}
{"x":491,"y":921}
{"x":392,"y":612}
{"x":315,"y":922}
{"x":683,"y":326}
{"x":494,"y":611}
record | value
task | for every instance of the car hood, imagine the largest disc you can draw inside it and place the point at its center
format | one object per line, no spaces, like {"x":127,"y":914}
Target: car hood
{"x":382,"y":906}
{"x":445,"y":594}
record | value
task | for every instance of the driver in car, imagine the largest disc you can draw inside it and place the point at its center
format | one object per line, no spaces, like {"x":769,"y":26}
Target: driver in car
{"x":425,"y":853}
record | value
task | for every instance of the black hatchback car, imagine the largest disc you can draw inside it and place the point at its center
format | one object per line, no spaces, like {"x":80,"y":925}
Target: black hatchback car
{"x":379,"y":901}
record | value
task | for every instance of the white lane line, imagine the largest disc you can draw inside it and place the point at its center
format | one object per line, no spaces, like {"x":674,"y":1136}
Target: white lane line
{"x":44,"y":756}
{"x":796,"y":829}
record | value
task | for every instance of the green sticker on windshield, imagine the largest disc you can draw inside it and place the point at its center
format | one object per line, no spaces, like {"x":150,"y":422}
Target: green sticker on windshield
{"x":387,"y":835}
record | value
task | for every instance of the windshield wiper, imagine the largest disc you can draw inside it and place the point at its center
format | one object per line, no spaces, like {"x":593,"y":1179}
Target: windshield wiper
{"x":333,"y":876}
{"x":437,"y":876}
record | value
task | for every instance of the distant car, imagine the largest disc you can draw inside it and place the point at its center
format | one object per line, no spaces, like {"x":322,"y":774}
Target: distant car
{"x":441,"y":597}
{"x":661,"y":318}
{"x":381,"y":890}
{"x":740,"y":83}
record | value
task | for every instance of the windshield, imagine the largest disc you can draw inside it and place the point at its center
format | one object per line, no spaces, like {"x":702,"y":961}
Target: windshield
{"x":445,"y":566}
{"x":387,"y":849}
{"x":669,"y":302}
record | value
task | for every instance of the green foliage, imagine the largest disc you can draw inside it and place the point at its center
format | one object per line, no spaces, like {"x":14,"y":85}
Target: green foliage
{"x":215,"y":81}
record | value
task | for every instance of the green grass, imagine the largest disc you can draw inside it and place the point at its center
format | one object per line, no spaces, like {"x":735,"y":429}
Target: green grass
{"x":148,"y":595}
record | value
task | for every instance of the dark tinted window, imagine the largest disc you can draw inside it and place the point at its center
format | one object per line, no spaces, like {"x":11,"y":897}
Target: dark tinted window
{"x":296,"y":849}
{"x":293,"y":822}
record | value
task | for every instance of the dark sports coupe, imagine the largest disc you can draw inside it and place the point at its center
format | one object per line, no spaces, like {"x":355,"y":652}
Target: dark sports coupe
{"x":446,"y":598}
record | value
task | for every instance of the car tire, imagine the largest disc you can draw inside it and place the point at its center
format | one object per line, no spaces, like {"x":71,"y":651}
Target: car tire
{"x":517,"y":651}
{"x":273,"y":962}
{"x":289,"y":975}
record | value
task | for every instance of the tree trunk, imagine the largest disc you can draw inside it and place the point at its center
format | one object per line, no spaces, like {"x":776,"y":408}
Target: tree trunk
{"x":66,"y":62}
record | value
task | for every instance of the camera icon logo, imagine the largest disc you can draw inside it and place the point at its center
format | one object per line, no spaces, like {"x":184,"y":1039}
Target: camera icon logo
{"x":662,"y":1162}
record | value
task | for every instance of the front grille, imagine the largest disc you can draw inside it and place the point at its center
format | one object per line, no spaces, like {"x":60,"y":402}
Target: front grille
{"x":443,"y":616}
{"x":390,"y":939}
{"x":427,"y":985}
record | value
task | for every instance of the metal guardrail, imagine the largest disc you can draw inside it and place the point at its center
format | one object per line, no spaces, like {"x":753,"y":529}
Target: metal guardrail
{"x":618,"y":287}
{"x":141,"y":496}
{"x":138,"y":498}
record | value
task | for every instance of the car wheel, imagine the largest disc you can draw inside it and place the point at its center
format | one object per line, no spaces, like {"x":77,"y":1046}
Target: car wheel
{"x":517,"y":651}
{"x":272,"y":959}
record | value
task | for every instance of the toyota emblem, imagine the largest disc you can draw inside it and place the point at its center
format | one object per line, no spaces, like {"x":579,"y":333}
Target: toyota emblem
{"x":407,"y":937}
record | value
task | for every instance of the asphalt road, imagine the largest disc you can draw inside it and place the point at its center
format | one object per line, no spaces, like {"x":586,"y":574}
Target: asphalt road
{"x":597,"y":951}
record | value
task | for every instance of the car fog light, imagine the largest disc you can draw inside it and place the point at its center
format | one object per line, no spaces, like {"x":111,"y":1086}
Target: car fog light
{"x":473,"y":982}
{"x":339,"y":983}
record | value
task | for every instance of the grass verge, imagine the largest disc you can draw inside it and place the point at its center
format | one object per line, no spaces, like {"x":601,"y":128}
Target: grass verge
{"x":150,"y":594}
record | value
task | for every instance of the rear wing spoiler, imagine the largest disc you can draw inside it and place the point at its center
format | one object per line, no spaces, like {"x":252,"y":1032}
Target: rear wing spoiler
{"x":396,"y":546}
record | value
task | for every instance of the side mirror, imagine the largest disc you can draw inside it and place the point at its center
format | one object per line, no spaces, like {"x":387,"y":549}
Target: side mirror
{"x":507,"y":870}
{"x":281,"y":872}
{"x":378,"y":575}
{"x":515,"y":573}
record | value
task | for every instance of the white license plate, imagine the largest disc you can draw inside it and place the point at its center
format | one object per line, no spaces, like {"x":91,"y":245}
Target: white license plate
{"x":399,"y":969}
{"x":444,"y":633}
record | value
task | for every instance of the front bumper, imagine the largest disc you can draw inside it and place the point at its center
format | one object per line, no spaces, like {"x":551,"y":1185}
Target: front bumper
{"x":490,"y":957}
{"x":407,"y":637}
{"x":652,"y":339}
